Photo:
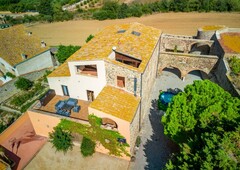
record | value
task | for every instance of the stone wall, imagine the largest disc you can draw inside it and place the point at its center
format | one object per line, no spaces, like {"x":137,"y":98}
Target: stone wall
{"x":112,"y":71}
{"x":134,"y":130}
{"x":221,"y":75}
{"x":186,"y":62}
{"x":148,"y":79}
{"x":184,"y":44}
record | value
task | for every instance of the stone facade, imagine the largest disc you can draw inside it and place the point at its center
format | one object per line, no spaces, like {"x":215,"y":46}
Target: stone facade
{"x":186,"y":62}
{"x":134,"y":129}
{"x":181,"y":43}
{"x":148,"y":79}
{"x":112,"y":71}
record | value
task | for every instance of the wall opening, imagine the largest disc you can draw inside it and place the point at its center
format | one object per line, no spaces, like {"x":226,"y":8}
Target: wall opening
{"x":120,"y":81}
{"x":173,"y":70}
{"x":127,"y":60}
{"x":90,"y":70}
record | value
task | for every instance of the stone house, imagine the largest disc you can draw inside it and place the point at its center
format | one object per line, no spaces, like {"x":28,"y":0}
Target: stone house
{"x":21,"y":52}
{"x":115,"y":72}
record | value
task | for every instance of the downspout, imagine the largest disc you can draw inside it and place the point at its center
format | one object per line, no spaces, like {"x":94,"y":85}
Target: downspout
{"x":140,"y":105}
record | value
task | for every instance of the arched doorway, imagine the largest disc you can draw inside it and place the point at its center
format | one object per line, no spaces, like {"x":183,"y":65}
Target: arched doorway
{"x":197,"y":74}
{"x":173,"y":71}
{"x":200,"y":48}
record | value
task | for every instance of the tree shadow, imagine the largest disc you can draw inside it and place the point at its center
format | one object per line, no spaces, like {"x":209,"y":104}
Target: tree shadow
{"x":159,"y":148}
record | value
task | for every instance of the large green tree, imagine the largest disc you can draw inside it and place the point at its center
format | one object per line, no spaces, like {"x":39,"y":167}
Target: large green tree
{"x":204,"y":121}
{"x":66,"y":51}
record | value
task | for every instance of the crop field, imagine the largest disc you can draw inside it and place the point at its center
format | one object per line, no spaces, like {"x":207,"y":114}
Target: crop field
{"x":76,"y":32}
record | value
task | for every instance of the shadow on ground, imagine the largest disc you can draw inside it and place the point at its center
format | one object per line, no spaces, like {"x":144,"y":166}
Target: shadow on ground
{"x":159,"y":148}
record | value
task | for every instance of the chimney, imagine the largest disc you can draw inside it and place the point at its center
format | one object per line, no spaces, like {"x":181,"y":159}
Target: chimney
{"x":24,"y":56}
{"x":43,"y":44}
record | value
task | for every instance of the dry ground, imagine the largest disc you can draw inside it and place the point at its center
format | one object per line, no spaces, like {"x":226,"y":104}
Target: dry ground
{"x":48,"y":158}
{"x":75,"y":32}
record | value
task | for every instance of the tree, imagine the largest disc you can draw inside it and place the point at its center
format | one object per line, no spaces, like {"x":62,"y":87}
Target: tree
{"x":23,"y":83}
{"x":45,"y":7}
{"x":204,"y":121}
{"x":61,"y":139}
{"x":66,"y":51}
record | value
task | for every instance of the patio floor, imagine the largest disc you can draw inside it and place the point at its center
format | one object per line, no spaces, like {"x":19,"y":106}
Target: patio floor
{"x":82,"y":114}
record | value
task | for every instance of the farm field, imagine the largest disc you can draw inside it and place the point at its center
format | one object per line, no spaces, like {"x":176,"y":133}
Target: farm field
{"x":76,"y":32}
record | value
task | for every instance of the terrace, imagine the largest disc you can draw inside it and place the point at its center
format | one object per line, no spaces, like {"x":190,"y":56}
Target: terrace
{"x":49,"y":101}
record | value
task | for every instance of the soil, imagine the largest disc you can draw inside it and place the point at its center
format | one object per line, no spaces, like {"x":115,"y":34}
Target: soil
{"x":76,"y":32}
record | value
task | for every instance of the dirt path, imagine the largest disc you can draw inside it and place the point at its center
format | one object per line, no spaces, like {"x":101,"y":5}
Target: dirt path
{"x":75,"y":32}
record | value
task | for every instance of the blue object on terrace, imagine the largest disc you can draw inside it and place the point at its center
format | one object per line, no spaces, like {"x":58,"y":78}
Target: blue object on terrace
{"x":166,"y":97}
{"x":72,"y":102}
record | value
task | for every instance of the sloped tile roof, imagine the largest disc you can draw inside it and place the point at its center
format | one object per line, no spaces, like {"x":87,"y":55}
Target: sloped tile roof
{"x":116,"y":102}
{"x":100,"y":47}
{"x":15,"y":41}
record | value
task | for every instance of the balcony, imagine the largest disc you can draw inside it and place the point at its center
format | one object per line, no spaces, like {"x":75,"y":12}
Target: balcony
{"x":89,"y":70}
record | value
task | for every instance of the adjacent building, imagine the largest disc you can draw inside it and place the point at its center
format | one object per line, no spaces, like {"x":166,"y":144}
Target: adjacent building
{"x":22,"y":53}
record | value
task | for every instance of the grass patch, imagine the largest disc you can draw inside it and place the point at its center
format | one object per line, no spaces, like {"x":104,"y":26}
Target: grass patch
{"x":96,"y":133}
{"x":87,"y":147}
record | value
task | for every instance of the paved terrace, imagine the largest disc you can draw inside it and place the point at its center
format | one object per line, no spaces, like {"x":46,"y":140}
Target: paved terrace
{"x":50,"y":107}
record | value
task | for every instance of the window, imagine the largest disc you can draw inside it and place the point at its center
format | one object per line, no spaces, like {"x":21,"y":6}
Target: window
{"x":90,"y":70}
{"x":120,"y":81}
{"x":121,"y":31}
{"x":136,"y":33}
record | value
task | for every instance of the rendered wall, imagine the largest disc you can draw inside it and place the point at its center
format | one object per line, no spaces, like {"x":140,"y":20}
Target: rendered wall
{"x":79,"y":84}
{"x":41,"y":61}
{"x":123,"y":126}
{"x":5,"y":67}
{"x":43,"y":123}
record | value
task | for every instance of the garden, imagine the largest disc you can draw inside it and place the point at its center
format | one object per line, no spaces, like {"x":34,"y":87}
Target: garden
{"x":62,"y":138}
{"x":30,"y":92}
{"x":6,"y":119}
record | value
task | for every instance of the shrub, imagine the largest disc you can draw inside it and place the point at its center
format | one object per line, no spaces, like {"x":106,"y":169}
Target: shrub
{"x":61,"y":139}
{"x":66,"y":51}
{"x":89,"y":38}
{"x":10,"y":75}
{"x":235,"y":65}
{"x":87,"y":147}
{"x":138,"y":141}
{"x":23,"y":83}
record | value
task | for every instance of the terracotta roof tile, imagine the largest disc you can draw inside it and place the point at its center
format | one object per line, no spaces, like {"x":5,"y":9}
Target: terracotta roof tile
{"x":116,"y":102}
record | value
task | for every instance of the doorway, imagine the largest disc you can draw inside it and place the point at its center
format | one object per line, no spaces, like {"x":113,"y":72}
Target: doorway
{"x":90,"y":95}
{"x":65,"y":90}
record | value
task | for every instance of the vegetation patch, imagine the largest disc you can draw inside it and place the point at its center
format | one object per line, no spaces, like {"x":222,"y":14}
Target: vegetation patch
{"x":64,"y":52}
{"x":23,"y":83}
{"x":234,"y":64}
{"x":87,"y":147}
{"x":94,"y":132}
{"x":61,"y":139}
{"x":6,"y":119}
{"x":204,"y":121}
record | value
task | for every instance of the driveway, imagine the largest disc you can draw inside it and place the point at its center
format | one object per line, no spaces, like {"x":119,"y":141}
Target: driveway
{"x":156,"y":148}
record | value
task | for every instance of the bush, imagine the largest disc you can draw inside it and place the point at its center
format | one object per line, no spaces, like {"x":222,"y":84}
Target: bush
{"x":89,"y":38}
{"x":61,"y":139}
{"x":235,"y":65}
{"x":10,"y":75}
{"x":21,"y":99}
{"x":138,"y":141}
{"x":87,"y":147}
{"x":23,"y":83}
